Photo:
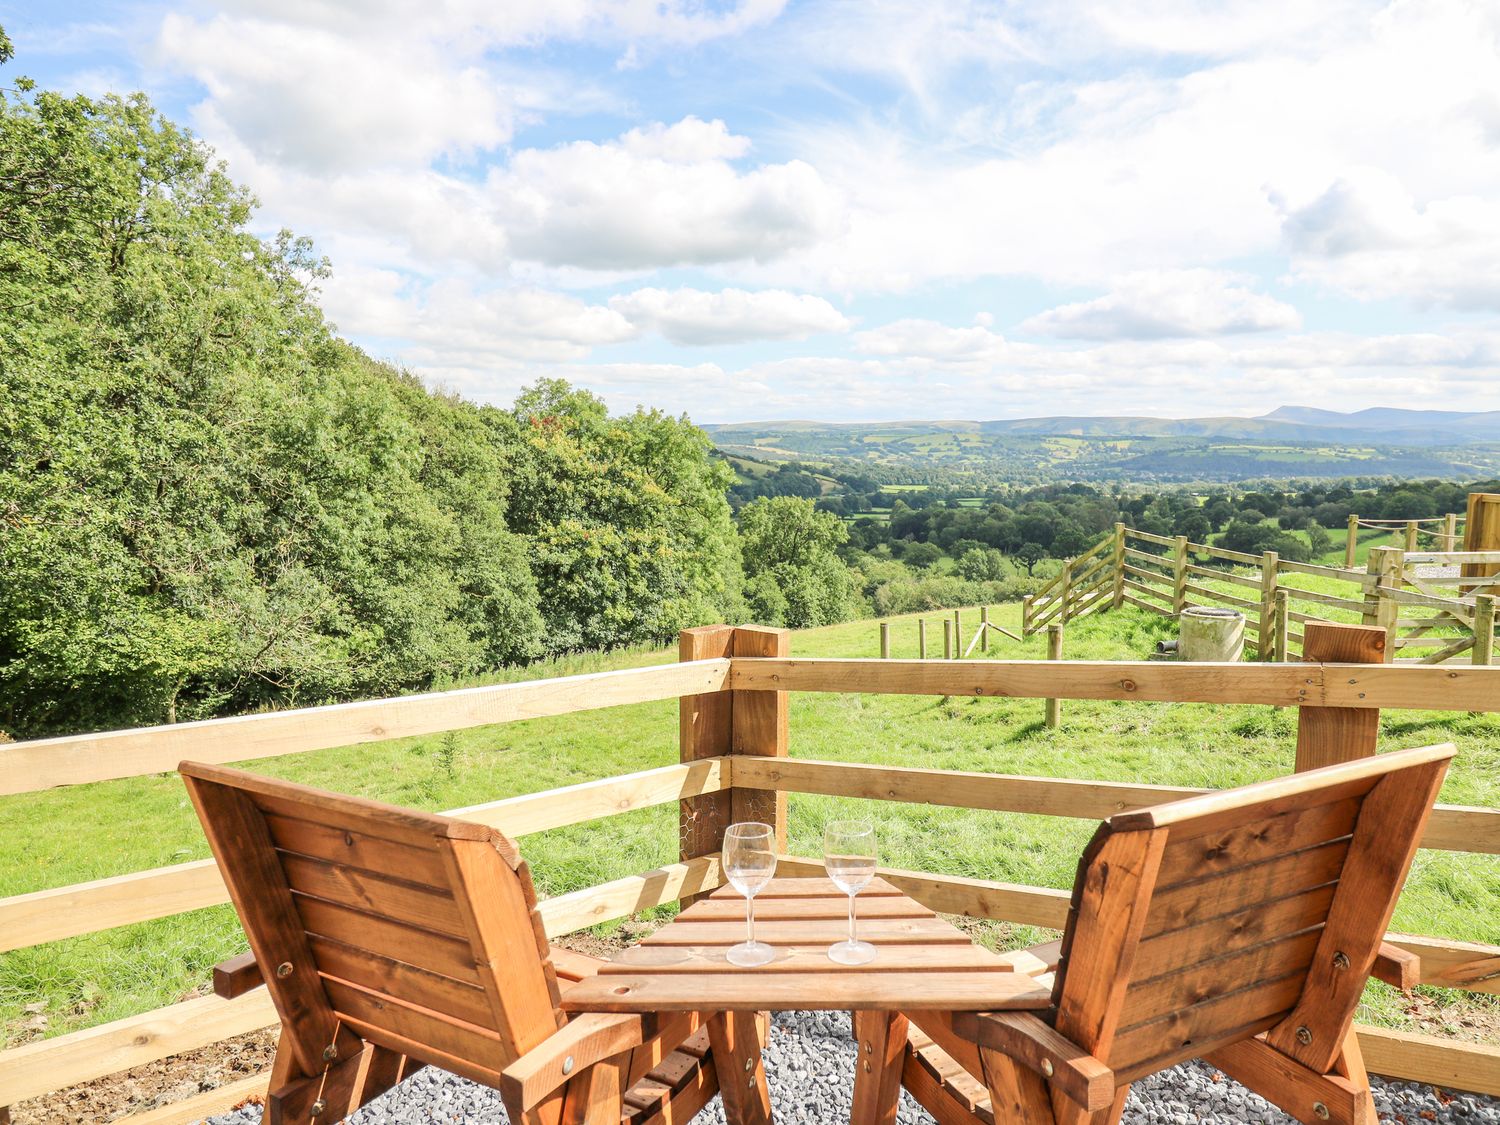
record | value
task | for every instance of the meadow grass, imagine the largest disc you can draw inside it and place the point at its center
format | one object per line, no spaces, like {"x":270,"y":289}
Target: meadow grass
{"x":70,"y":835}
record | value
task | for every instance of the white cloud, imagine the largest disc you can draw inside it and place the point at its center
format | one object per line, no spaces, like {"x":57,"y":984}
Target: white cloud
{"x":456,"y":325}
{"x":325,"y":101}
{"x":1158,"y":304}
{"x":1366,"y":236}
{"x":693,"y":317}
{"x":658,"y":198}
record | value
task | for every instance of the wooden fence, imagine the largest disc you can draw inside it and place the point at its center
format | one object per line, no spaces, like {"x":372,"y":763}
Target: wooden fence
{"x":1430,"y":616}
{"x":733,"y":685}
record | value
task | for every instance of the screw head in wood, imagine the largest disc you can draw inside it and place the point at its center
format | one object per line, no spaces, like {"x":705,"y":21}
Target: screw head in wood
{"x":330,"y":1053}
{"x":284,"y":969}
{"x":568,"y":1065}
{"x":1047,"y":1067}
{"x":749,"y":1064}
{"x":1320,"y":1111}
{"x":317,"y":1107}
{"x":750,"y":1082}
{"x":1304,"y":1036}
{"x":867,"y":1066}
{"x":1341,"y":961}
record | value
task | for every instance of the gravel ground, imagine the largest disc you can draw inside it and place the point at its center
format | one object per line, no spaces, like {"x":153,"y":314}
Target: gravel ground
{"x":810,"y":1062}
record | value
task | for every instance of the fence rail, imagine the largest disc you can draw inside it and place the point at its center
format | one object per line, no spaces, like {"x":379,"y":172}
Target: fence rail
{"x":1131,"y":567}
{"x":734,"y":764}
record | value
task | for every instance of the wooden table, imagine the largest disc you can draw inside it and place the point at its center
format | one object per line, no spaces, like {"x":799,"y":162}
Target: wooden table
{"x":921,"y":962}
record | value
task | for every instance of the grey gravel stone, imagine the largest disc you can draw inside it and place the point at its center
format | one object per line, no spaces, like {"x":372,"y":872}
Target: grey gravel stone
{"x":810,"y":1067}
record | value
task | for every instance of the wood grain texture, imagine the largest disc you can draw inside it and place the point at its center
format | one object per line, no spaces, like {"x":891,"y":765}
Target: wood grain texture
{"x":760,"y":728}
{"x":45,"y":763}
{"x":703,"y":732}
{"x":880,"y":1045}
{"x":1380,"y":854}
{"x":1329,"y":735}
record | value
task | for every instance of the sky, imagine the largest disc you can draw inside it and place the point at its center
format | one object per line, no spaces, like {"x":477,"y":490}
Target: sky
{"x":865,"y":211}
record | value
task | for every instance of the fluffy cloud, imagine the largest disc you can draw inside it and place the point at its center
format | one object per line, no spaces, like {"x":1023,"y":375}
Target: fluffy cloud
{"x":453,"y":323}
{"x":1158,"y":304}
{"x":324,"y":101}
{"x":693,"y":317}
{"x":661,"y":197}
{"x":1366,"y":236}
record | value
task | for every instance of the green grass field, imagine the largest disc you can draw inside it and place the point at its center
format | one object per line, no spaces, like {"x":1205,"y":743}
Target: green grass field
{"x":88,"y":832}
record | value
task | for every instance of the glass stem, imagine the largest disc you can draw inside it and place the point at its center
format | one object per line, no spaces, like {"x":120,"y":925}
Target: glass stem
{"x":750,"y":919}
{"x":851,"y":919}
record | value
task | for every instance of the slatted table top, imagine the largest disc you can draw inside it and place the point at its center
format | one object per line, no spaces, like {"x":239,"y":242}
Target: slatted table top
{"x":921,"y":961}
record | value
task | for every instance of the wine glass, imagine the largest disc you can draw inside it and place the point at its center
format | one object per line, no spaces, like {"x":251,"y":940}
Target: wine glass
{"x":749,"y":863}
{"x":849,"y":856}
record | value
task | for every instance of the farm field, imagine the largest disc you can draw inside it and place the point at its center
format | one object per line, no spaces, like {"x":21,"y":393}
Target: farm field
{"x":88,"y":832}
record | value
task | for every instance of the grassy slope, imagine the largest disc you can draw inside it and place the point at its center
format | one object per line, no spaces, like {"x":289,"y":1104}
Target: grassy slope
{"x":110,"y":828}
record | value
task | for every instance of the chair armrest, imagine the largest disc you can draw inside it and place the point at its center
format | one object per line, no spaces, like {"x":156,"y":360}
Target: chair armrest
{"x":1398,"y":967}
{"x":237,"y":976}
{"x":1038,"y":1046}
{"x":1036,"y":960}
{"x":571,"y":966}
{"x":588,"y":1039}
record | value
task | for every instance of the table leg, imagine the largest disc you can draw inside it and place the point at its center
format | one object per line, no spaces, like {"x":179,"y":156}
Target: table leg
{"x":735,"y":1040}
{"x":881,"y":1040}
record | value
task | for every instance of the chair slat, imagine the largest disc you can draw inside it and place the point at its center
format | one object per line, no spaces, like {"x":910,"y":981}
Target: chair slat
{"x":424,"y":1025}
{"x":369,"y":893}
{"x":1193,"y":856}
{"x":1189,"y":1032}
{"x":1206,"y":980}
{"x":405,"y":982}
{"x":1180,"y":949}
{"x":437,"y":953}
{"x":417,"y":863}
{"x":1192,"y":903}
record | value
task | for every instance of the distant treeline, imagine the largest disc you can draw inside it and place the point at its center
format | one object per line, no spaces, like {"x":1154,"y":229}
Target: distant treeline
{"x":1059,"y":521}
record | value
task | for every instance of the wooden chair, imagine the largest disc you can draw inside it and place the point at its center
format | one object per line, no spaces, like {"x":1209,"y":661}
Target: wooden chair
{"x":1239,"y":927}
{"x":390,"y":939}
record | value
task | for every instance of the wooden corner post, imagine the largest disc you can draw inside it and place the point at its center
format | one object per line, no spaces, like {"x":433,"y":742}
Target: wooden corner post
{"x":703,"y":725}
{"x":759,"y":727}
{"x":725,"y":723}
{"x":1118,"y":561}
{"x":1327,"y":736}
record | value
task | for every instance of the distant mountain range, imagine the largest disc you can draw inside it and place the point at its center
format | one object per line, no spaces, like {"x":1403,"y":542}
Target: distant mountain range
{"x":1381,"y":425}
{"x":1290,"y":442}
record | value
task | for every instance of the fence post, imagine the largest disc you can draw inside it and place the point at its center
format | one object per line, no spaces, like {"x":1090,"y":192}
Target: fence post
{"x":703,"y":731}
{"x":1329,"y":735}
{"x":1179,"y":574}
{"x":984,"y":628}
{"x":885,"y":640}
{"x":1484,"y":629}
{"x":1450,"y":531}
{"x":725,"y":723}
{"x":1385,"y":570}
{"x":921,"y":638}
{"x":1053,"y":714}
{"x":759,"y":727}
{"x":1268,"y":581}
{"x":958,"y":636}
{"x":1026,"y":615}
{"x":947,"y":639}
{"x":1119,"y":561}
{"x":1411,"y":536}
{"x":1349,"y":548}
{"x":1066,"y":590}
{"x":1283,"y":625}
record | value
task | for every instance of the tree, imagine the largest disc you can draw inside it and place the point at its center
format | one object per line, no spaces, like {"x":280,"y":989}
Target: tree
{"x":791,"y":563}
{"x":211,"y":502}
{"x":630,"y":533}
{"x":981,"y":565}
{"x":1030,"y":554}
{"x":922,"y":555}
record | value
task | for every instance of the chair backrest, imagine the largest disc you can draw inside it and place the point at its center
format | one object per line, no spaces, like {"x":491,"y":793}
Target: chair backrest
{"x":1261,"y":909}
{"x":415,"y":932}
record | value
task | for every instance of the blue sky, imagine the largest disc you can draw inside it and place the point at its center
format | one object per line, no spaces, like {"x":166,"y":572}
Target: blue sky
{"x":867,"y":210}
